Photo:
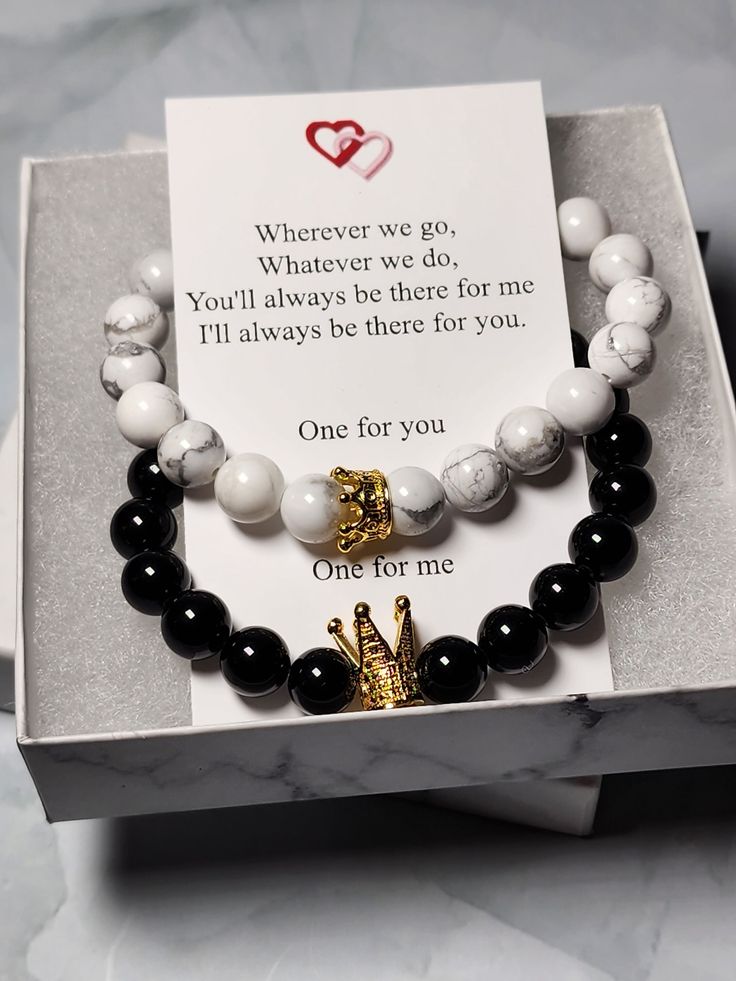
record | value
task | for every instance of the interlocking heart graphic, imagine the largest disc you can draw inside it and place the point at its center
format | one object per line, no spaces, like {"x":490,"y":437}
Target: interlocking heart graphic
{"x":340,"y":141}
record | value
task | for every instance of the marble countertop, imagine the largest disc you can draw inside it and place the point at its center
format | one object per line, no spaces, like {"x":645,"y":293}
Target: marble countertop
{"x":375,"y":888}
{"x":372,"y":890}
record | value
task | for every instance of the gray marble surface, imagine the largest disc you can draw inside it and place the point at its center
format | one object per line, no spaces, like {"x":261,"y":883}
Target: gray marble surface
{"x":372,"y":890}
{"x":313,"y":890}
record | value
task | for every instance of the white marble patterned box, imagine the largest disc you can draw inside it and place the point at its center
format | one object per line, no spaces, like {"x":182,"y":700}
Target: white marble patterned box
{"x":104,"y":714}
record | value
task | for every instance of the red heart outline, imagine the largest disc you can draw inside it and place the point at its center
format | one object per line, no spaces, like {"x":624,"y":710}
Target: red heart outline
{"x":350,"y":150}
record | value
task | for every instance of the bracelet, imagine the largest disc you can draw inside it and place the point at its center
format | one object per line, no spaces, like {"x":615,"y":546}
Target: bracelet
{"x":357,"y":506}
{"x":511,"y":639}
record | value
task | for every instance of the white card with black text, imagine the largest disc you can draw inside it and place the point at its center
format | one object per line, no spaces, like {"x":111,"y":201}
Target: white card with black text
{"x":370,"y":280}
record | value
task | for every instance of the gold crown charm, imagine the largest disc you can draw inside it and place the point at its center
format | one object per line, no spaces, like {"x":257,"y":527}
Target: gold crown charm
{"x":387,"y":678}
{"x":366,"y":494}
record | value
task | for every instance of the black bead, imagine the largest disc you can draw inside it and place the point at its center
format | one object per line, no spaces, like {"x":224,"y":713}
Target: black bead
{"x":513,"y":639}
{"x":579,"y":349}
{"x":150,"y":579}
{"x":565,"y":596}
{"x":146,"y":479}
{"x":626,"y":491}
{"x":195,"y":624}
{"x":322,"y":681}
{"x":451,"y":669}
{"x":139,"y":525}
{"x":623,"y":439}
{"x":604,"y":545}
{"x":623,"y":402}
{"x":255,"y":661}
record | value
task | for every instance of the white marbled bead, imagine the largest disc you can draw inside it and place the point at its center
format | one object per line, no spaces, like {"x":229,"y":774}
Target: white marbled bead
{"x":583,"y":224}
{"x":311,"y":509}
{"x":530,"y":440}
{"x":153,"y":275}
{"x":582,"y":400}
{"x":249,"y":487}
{"x":128,"y":363}
{"x":191,"y":453}
{"x":641,"y":300}
{"x":146,"y":411}
{"x":619,"y":257}
{"x":474,"y":478}
{"x":417,"y":500}
{"x":624,"y":353}
{"x":136,"y":318}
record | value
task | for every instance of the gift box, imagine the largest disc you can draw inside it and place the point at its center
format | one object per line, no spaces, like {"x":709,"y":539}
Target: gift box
{"x":104,"y":713}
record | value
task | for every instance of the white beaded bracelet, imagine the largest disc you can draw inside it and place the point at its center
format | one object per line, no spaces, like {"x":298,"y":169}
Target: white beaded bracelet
{"x":354,"y":506}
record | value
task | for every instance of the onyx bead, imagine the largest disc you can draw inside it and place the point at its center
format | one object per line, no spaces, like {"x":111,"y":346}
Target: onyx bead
{"x":604,"y":545}
{"x":623,"y":400}
{"x":150,"y":579}
{"x":513,"y":639}
{"x":146,"y":479}
{"x":451,"y":669}
{"x":565,"y":596}
{"x":626,"y":490}
{"x":195,"y":624}
{"x":255,"y":661}
{"x":579,"y":349}
{"x":322,"y":681}
{"x":623,"y":439}
{"x":139,"y":525}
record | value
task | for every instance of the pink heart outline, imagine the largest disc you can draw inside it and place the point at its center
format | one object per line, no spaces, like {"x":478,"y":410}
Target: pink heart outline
{"x":383,"y":157}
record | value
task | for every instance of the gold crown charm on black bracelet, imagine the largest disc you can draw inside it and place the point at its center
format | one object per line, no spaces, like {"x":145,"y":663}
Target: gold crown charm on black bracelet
{"x":387,"y":678}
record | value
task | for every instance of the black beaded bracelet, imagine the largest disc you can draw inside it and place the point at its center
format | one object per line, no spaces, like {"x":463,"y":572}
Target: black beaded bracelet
{"x":512,"y":639}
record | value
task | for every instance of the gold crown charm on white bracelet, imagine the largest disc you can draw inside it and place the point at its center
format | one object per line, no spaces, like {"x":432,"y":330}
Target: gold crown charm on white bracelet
{"x":365,"y":493}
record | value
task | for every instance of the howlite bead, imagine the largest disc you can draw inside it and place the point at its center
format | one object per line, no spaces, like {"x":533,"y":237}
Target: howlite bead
{"x":623,"y":439}
{"x":579,"y":349}
{"x":451,"y":669}
{"x":322,"y":681}
{"x":153,"y":275}
{"x":311,"y":509}
{"x":641,"y":300}
{"x":417,"y":500}
{"x":619,"y":257}
{"x":583,"y":223}
{"x":249,"y":488}
{"x":128,"y":363}
{"x":624,"y":353}
{"x":139,"y":525}
{"x":255,"y":661}
{"x":529,"y":440}
{"x":146,"y":479}
{"x":136,"y":318}
{"x":195,"y":624}
{"x":150,"y":579}
{"x":604,"y":545}
{"x":513,"y":639}
{"x":191,"y":453}
{"x":581,"y":400}
{"x":565,"y":596}
{"x":626,"y":490}
{"x":146,"y":411}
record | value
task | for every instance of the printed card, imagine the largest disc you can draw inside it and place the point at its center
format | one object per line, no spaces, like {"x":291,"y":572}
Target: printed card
{"x":371,"y":280}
